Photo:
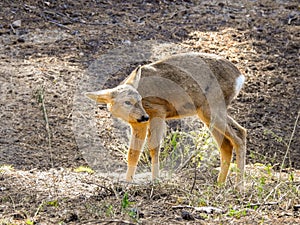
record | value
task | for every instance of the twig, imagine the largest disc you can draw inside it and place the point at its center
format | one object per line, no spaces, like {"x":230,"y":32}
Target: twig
{"x":38,"y":209}
{"x":272,"y":191}
{"x":151,"y":193}
{"x":194,"y":154}
{"x":41,"y":100}
{"x":187,"y":161}
{"x":195,"y":176}
{"x":108,"y":222}
{"x":59,"y":24}
{"x":252,"y":205}
{"x":13,"y":29}
{"x":289,"y":145}
{"x":46,"y":118}
{"x":112,"y":185}
{"x":109,"y":189}
{"x":13,"y":202}
{"x":291,"y":18}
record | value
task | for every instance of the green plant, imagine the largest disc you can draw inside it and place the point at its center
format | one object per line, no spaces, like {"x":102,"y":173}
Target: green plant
{"x":261,"y":184}
{"x":109,"y":210}
{"x":268,"y":169}
{"x":291,"y":176}
{"x":29,"y":222}
{"x":276,"y":137}
{"x":82,"y":169}
{"x":125,"y":201}
{"x":125,"y":204}
{"x":4,"y":168}
{"x":53,"y":203}
{"x":133,"y":213}
{"x":184,"y":149}
{"x":202,"y":202}
{"x":236,"y":213}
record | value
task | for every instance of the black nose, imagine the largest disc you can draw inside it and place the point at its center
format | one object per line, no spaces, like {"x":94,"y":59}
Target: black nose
{"x":143,"y":119}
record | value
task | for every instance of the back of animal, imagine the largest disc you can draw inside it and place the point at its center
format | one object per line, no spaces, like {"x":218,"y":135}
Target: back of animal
{"x":189,"y":81}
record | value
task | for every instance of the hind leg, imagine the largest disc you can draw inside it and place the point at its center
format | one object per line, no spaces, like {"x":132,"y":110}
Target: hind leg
{"x":226,"y":148}
{"x":229,"y":135}
{"x":234,"y":137}
{"x":217,"y":128}
{"x":238,"y":140}
{"x":155,"y":135}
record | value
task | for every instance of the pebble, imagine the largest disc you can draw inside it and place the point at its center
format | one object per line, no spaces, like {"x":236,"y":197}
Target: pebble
{"x":17,"y":24}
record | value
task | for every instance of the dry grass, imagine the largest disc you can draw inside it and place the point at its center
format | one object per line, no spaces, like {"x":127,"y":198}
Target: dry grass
{"x":87,"y":198}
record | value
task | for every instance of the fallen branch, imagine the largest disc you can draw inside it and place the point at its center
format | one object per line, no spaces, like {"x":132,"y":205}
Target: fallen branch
{"x":205,"y":209}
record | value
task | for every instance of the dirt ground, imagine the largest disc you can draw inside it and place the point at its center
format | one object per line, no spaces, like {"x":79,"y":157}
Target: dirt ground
{"x":46,"y":47}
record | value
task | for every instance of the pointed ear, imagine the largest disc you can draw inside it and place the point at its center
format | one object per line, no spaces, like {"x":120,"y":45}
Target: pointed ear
{"x":134,"y":78}
{"x":103,"y":96}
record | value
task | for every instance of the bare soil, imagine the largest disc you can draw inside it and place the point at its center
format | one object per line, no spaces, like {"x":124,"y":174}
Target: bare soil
{"x":47,"y":53}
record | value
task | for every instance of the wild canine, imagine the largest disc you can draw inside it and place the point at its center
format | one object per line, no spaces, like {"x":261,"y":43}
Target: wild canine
{"x":179,"y":86}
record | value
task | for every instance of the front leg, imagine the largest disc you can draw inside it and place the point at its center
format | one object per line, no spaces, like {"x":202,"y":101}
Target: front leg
{"x":138,"y":136}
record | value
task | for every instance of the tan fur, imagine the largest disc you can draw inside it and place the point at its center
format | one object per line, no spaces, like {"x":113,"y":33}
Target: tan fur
{"x":179,"y":86}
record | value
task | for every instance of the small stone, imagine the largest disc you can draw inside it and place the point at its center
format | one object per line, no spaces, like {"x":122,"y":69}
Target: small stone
{"x":296,"y":207}
{"x":21,"y":40}
{"x":187,"y":216}
{"x":73,"y":217}
{"x":269,"y":67}
{"x":17,"y":24}
{"x":127,"y":42}
{"x":221,"y":4}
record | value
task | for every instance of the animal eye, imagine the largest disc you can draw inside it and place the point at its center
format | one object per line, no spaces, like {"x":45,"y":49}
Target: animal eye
{"x":127,"y":103}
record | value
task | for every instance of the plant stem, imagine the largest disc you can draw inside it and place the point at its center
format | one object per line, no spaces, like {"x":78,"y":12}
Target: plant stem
{"x":289,"y":144}
{"x":41,"y":100}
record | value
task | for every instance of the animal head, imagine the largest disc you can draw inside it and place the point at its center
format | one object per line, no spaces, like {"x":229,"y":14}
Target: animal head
{"x":124,"y":101}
